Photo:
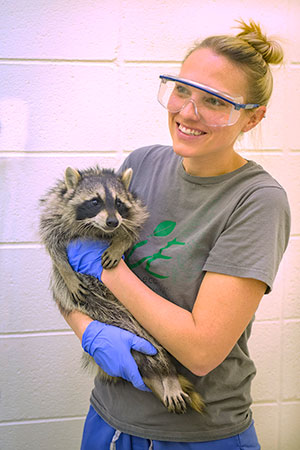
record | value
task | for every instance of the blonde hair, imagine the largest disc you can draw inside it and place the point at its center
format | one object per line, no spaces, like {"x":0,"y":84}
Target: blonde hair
{"x":252,"y":51}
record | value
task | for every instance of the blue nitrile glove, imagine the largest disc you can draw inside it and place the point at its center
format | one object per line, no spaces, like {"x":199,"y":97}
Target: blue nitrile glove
{"x":85,"y":255}
{"x":110,"y":347}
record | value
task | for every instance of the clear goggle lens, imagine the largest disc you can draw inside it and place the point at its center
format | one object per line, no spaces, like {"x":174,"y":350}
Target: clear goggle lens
{"x":214,"y":108}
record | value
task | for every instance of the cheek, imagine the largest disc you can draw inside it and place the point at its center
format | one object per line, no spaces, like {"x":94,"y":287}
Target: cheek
{"x":227,"y":134}
{"x":171,"y":121}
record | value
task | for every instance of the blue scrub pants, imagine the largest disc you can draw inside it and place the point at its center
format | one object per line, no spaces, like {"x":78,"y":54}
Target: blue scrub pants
{"x":98,"y":435}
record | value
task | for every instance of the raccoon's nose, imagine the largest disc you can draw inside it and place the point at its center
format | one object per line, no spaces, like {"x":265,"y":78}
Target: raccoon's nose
{"x":112,"y":222}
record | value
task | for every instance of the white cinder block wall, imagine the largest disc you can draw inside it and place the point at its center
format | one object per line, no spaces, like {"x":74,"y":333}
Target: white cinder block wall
{"x":78,"y":86}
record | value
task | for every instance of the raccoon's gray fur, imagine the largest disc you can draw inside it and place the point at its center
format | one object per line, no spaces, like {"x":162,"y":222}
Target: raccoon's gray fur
{"x":97,"y":204}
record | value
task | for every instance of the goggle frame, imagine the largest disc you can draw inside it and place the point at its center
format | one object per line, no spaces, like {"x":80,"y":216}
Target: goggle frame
{"x":233,"y":100}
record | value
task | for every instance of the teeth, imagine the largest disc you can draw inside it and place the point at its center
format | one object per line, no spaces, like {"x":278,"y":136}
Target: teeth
{"x":190,"y":131}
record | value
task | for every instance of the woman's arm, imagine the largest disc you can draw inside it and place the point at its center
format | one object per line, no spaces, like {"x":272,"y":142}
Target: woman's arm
{"x":78,"y":322}
{"x":202,"y":339}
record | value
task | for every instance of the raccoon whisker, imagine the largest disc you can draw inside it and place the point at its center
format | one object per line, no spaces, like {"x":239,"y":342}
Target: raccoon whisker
{"x":129,"y":226}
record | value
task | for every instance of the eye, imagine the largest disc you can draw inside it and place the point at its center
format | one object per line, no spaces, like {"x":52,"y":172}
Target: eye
{"x":119,"y":203}
{"x":95,"y":201}
{"x":89,"y":208}
{"x":182,"y":90}
{"x":216,"y":102}
{"x":121,"y":208}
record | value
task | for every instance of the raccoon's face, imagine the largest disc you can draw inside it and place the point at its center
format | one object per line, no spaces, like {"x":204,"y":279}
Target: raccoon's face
{"x":104,"y":207}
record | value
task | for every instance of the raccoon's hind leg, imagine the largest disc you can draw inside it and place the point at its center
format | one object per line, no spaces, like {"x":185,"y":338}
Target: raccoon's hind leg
{"x":175,"y":393}
{"x":89,"y":364}
{"x":169,"y":391}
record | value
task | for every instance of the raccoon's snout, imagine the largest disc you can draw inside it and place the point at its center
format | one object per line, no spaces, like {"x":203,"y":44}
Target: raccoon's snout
{"x":112,"y":222}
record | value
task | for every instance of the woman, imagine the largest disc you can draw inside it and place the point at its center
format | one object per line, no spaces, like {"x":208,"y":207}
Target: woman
{"x":218,"y":228}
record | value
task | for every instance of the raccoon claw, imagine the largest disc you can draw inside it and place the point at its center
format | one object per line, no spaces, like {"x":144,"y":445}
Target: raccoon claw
{"x":76,"y":300}
{"x":107,"y":261}
{"x":78,"y":297}
{"x":83,"y":289}
{"x":174,"y":398}
{"x":176,"y":404}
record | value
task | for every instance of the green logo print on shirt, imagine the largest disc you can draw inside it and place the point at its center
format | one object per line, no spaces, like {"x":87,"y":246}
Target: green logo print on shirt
{"x":163,"y":229}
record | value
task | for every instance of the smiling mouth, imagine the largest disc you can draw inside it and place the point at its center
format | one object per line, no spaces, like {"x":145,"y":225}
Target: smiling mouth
{"x":190,"y":131}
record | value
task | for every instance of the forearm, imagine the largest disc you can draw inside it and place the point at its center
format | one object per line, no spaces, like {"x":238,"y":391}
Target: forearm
{"x":200,"y":339}
{"x":78,"y":322}
{"x":171,"y":325}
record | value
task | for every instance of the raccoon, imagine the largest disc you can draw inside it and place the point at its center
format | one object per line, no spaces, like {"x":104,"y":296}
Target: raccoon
{"x":97,"y":204}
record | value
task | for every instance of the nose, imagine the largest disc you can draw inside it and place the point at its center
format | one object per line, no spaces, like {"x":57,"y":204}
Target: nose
{"x":190,"y":108}
{"x":112,"y":222}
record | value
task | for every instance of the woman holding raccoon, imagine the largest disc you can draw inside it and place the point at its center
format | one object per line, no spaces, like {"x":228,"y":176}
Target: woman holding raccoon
{"x":218,"y":227}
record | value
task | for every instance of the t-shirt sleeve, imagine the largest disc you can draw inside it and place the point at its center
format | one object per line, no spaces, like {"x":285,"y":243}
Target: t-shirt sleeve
{"x":134,"y":160}
{"x":255,"y":237}
{"x":124,"y":166}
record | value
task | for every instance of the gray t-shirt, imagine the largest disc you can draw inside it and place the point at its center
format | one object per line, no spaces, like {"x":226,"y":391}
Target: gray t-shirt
{"x":236,"y":224}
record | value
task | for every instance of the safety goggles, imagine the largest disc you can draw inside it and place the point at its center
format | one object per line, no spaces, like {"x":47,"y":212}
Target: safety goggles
{"x":216,"y":108}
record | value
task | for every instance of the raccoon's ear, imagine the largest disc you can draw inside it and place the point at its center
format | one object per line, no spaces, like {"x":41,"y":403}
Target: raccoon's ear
{"x":72,"y":177}
{"x":126,"y":177}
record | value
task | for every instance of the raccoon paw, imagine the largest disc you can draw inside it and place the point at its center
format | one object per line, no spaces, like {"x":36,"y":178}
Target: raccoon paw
{"x":169,"y":391}
{"x":110,"y":259}
{"x":174,"y":398}
{"x":78,"y":291}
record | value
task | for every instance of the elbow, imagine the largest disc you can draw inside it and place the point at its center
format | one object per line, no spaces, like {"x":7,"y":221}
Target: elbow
{"x":203,"y":366}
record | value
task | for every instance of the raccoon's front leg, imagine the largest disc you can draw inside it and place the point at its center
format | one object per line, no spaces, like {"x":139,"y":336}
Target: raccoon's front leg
{"x":77,"y":290}
{"x":115,"y":251}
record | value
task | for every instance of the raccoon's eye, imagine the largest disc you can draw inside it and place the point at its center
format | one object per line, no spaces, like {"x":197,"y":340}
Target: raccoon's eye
{"x":121,"y":207}
{"x":119,"y":203}
{"x":89,"y":208}
{"x":95,"y":201}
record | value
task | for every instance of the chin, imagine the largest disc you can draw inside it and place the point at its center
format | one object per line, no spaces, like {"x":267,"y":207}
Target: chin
{"x":186,"y":151}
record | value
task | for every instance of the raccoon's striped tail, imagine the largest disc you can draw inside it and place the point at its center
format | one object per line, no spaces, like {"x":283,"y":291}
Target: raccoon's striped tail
{"x":194,"y":398}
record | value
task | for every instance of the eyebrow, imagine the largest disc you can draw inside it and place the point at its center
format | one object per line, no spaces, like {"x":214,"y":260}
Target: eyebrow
{"x":201,"y":86}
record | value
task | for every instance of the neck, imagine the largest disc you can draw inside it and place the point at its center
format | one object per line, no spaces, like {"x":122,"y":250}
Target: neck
{"x":212,"y":168}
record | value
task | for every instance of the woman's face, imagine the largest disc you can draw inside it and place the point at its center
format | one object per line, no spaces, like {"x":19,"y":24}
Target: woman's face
{"x":206,"y":67}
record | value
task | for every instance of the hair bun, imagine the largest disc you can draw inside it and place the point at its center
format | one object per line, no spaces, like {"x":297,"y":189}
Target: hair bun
{"x":270,"y":50}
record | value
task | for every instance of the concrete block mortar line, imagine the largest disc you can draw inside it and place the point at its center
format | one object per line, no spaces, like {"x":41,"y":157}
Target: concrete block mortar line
{"x":57,"y":154}
{"x":264,"y":403}
{"x":24,"y":61}
{"x":30,"y":334}
{"x":41,"y":421}
{"x":262,"y":151}
{"x":266,"y":321}
{"x":154,"y":62}
{"x":293,"y":151}
{"x":20,"y":245}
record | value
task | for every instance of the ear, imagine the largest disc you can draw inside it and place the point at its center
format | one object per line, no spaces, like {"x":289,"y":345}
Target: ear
{"x":72,"y":178}
{"x":126,"y":177}
{"x":254,"y":118}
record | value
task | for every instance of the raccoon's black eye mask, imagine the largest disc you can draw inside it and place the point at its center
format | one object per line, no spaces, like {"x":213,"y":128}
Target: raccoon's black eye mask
{"x":122,"y":208}
{"x":89,"y":208}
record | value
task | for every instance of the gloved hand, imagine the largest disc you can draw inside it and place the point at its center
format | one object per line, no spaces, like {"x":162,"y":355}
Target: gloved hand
{"x":110,"y":347}
{"x":85,"y":256}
